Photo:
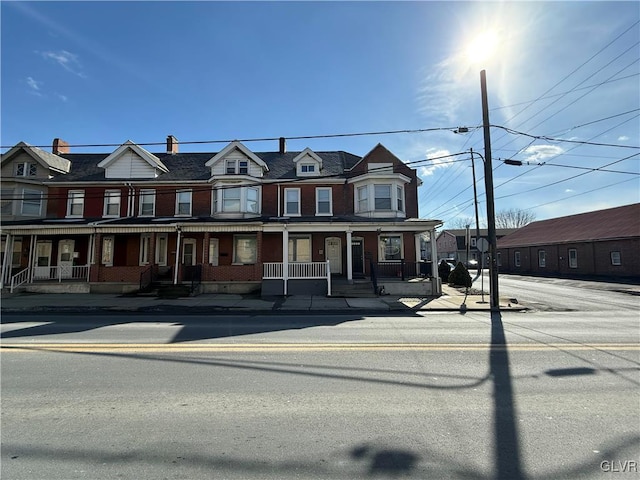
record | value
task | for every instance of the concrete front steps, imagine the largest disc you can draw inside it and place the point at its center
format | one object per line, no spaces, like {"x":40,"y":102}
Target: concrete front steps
{"x":358,"y":289}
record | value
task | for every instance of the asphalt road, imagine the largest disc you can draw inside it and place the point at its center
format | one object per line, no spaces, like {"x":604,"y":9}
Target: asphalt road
{"x":542,"y":394}
{"x":555,"y":294}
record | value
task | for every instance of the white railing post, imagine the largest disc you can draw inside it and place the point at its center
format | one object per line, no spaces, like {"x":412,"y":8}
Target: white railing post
{"x":328,"y":279}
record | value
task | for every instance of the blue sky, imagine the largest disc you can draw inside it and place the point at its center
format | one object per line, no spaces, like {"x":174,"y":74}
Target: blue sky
{"x":107,"y":72}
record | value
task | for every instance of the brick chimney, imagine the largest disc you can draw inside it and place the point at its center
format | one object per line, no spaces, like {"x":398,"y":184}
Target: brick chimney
{"x":283,"y":145}
{"x":59,"y":146}
{"x":172,"y":144}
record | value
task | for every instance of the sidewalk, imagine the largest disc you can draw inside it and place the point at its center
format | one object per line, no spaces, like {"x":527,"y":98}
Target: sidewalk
{"x":451,"y":300}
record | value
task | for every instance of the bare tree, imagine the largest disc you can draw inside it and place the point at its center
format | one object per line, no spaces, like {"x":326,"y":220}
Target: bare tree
{"x":461,"y":222}
{"x":514,"y":218}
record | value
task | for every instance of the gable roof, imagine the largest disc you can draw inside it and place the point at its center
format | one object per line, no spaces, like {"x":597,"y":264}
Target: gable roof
{"x":618,"y":222}
{"x":311,"y":153}
{"x":236,"y":145}
{"x":148,"y":157}
{"x":46,"y":159}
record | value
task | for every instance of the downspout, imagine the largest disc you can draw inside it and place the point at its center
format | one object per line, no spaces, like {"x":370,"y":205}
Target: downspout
{"x":279,"y":200}
{"x":7,"y":244}
{"x":175,"y":273}
{"x":130,"y":199}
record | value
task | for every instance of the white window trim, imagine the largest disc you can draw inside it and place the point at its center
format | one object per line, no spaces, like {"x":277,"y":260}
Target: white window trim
{"x":214,"y":247}
{"x":26,"y":168}
{"x":217,"y":203}
{"x":107,"y":261}
{"x":70,"y":197}
{"x":145,"y":238}
{"x":290,"y":214}
{"x":161,"y":259}
{"x":391,"y":197}
{"x":178,"y":214}
{"x":151,"y":193}
{"x":330,"y":212}
{"x":26,"y":192}
{"x":108,"y":195}
{"x":370,"y":186}
{"x":616,"y":258}
{"x":575,"y":258}
{"x":516,"y":258}
{"x":295,"y":238}
{"x":381,"y":253}
{"x":542,"y":258}
{"x":239,"y":237}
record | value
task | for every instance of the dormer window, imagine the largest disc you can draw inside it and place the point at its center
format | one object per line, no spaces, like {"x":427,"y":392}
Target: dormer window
{"x":237,"y":167}
{"x":308,"y":163}
{"x":26,"y":169}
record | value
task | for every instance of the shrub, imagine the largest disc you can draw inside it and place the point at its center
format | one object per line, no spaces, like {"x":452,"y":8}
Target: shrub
{"x":443,"y":270}
{"x":459,"y":276}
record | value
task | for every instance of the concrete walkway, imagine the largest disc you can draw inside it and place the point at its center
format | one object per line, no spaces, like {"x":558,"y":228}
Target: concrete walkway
{"x":451,"y":300}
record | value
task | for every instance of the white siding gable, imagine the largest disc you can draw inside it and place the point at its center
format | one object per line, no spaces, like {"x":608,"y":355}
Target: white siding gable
{"x":130,"y":165}
{"x":220,"y":167}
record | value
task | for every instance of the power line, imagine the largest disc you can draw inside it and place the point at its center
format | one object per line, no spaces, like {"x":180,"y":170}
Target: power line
{"x":265,"y":139}
{"x":565,"y":93}
{"x":562,"y":140}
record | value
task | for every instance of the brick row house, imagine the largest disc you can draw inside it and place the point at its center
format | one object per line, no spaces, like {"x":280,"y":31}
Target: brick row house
{"x":234,"y":221}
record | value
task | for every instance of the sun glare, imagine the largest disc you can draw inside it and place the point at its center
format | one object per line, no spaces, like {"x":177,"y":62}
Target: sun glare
{"x":482,"y":47}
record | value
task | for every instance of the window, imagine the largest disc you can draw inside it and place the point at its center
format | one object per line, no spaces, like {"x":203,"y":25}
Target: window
{"x":231,"y":200}
{"x":516,"y":259}
{"x":616,"y":258}
{"x":363,"y":199}
{"x":474,"y":242}
{"x":307,"y":168}
{"x":107,"y":251}
{"x":26,"y":169}
{"x":31,"y":202}
{"x":400,"y":199}
{"x":245,"y":249}
{"x":214,"y":251}
{"x":75,"y":203}
{"x":111,"y":203}
{"x":323,"y":201}
{"x":252,"y":200}
{"x":573,"y":258}
{"x":390,"y":248}
{"x":234,"y":167}
{"x":183,"y":202}
{"x":147,"y":203}
{"x":145,"y":243}
{"x":6,"y":202}
{"x":16,"y":253}
{"x":292,"y":201}
{"x":542,"y":258}
{"x":299,"y":249}
{"x":382,"y":197}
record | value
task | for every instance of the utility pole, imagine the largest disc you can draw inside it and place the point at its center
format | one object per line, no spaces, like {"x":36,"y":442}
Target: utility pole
{"x":475,"y":198}
{"x":491,"y":215}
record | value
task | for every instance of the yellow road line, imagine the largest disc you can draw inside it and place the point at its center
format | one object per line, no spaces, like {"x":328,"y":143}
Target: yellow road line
{"x":301,"y":347}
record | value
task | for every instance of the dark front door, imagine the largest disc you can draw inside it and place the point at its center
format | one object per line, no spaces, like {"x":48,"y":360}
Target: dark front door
{"x":357,"y":255}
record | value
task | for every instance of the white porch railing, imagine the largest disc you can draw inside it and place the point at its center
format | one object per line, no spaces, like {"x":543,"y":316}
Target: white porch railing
{"x":301,"y":270}
{"x":61,"y":272}
{"x":18,"y":279}
{"x":298,"y":271}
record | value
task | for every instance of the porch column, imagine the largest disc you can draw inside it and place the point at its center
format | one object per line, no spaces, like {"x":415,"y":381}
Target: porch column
{"x":175,"y":273}
{"x":435,"y":281}
{"x":418,"y":256}
{"x":285,"y":258}
{"x":8,"y":257}
{"x":349,"y":258}
{"x":33,"y":255}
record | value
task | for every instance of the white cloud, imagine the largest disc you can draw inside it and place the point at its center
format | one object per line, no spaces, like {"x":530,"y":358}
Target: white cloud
{"x":64,"y":98}
{"x":67,"y":60}
{"x":623,"y":138}
{"x":569,"y":190}
{"x":439,"y":158}
{"x":538,"y":153}
{"x":34,"y":85}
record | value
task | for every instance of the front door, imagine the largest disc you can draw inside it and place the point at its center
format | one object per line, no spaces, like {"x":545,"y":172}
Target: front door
{"x":357,"y":257}
{"x":333,"y":249}
{"x":65,"y":258}
{"x":189,"y":252}
{"x":43,"y":260}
